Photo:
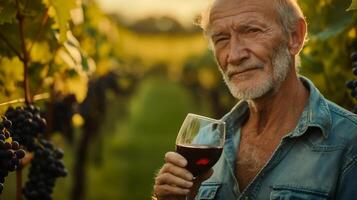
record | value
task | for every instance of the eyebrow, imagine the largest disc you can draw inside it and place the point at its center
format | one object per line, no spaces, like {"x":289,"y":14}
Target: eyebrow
{"x":212,"y":33}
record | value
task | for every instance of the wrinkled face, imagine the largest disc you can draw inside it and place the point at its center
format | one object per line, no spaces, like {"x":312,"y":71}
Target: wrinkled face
{"x":249,"y":46}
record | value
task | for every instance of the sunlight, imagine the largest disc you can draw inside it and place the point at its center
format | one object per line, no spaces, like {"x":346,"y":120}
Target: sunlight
{"x":184,"y":10}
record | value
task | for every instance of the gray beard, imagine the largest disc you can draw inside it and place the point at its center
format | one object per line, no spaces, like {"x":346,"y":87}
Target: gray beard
{"x":281,"y":65}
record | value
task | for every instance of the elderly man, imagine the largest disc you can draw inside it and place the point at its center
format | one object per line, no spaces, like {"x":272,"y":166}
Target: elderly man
{"x":284,"y":139}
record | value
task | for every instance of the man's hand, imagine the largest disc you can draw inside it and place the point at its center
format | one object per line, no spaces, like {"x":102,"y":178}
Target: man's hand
{"x":174,"y":182}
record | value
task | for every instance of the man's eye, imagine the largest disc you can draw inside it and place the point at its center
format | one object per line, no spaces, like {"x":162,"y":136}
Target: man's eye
{"x":253,"y":30}
{"x":218,"y":40}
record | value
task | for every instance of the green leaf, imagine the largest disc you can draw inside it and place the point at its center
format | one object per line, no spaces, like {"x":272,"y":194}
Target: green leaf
{"x":353,"y":5}
{"x":334,"y":29}
{"x":9,"y":35}
{"x":11,"y":73}
{"x":85,"y":64}
{"x":74,"y":49}
{"x":61,"y":13}
{"x":7,"y":11}
{"x":41,"y":52}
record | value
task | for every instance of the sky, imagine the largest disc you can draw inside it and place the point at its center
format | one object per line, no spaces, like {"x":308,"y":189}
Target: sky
{"x":184,"y":10}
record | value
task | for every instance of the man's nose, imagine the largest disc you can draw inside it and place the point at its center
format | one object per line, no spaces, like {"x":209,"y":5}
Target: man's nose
{"x":238,"y":52}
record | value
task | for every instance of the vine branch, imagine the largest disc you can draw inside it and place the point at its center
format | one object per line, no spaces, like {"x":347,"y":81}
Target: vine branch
{"x":22,"y":100}
{"x":20,"y":17}
{"x":19,"y":184}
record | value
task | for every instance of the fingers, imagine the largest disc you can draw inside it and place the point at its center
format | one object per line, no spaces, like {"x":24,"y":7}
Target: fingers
{"x":175,"y":158}
{"x":173,"y":180}
{"x":177,"y":171}
{"x":169,"y":190}
{"x":170,"y":179}
{"x":168,"y":184}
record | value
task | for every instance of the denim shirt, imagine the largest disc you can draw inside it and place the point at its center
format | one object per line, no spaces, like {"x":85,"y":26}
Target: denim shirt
{"x":317,"y":160}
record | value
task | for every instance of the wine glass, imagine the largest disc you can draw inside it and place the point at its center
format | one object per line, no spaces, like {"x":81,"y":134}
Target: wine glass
{"x":200,"y":140}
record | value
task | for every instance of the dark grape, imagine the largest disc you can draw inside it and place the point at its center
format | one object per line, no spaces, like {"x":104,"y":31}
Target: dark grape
{"x":27,"y":124}
{"x":354,"y":93}
{"x":352,"y":84}
{"x":45,"y":169}
{"x":354,"y":110}
{"x":354,"y":64}
{"x":20,"y":153}
{"x":28,"y":128}
{"x":354,"y":56}
{"x":6,"y":123}
{"x":354,"y":70}
{"x":10,"y":152}
{"x":6,"y":133}
{"x":8,"y":145}
{"x":15,"y":145}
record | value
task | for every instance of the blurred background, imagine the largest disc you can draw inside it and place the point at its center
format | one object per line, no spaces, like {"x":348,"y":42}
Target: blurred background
{"x":116,"y":92}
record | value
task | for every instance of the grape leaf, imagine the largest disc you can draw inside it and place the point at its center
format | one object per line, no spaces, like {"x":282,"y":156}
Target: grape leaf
{"x":72,"y":83}
{"x":11,"y":72}
{"x":61,"y":12}
{"x":334,"y":29}
{"x":41,"y":52}
{"x":7,"y":11}
{"x":353,"y":5}
{"x":9,"y":35}
{"x":73,"y":48}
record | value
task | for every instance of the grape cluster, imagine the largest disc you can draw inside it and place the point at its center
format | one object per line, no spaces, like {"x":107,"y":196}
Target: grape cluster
{"x":28,"y":128}
{"x":45,"y":169}
{"x":10,"y":152}
{"x":352,"y":84}
{"x":27,"y":125}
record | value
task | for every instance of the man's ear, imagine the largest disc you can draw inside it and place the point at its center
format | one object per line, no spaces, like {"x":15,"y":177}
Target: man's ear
{"x":297,"y":37}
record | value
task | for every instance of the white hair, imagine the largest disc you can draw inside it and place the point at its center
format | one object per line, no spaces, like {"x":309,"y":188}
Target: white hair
{"x":288,"y":12}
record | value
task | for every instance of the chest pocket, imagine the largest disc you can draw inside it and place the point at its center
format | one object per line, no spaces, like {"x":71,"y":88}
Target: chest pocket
{"x":208,"y":191}
{"x":296,"y":193}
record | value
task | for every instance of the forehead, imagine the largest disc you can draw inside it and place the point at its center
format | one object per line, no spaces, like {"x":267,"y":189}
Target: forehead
{"x":242,"y":10}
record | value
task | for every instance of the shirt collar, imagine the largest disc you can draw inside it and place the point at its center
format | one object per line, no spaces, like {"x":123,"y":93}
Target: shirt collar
{"x":316,"y":113}
{"x":236,"y":116}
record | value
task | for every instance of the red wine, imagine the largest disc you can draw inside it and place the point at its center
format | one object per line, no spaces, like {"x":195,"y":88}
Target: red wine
{"x":200,"y":158}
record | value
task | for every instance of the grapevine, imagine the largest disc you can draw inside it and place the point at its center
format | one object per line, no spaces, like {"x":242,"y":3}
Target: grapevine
{"x":26,"y":123}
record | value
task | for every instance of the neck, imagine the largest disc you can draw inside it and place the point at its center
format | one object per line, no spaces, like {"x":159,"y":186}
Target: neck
{"x":278,"y":111}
